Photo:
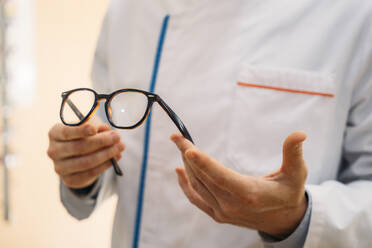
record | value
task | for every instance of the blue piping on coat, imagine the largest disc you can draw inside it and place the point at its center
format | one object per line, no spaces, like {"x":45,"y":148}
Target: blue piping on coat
{"x":141,"y":189}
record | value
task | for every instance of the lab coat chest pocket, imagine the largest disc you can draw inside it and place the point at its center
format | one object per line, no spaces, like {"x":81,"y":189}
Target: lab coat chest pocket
{"x":271,"y":103}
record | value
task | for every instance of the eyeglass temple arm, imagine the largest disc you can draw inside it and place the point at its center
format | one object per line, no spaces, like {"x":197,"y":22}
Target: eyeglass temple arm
{"x":176,"y":120}
{"x":81,"y":117}
{"x":75,"y":109}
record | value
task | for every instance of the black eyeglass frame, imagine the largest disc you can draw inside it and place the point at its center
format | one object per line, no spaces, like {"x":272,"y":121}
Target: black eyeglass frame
{"x":151,"y":98}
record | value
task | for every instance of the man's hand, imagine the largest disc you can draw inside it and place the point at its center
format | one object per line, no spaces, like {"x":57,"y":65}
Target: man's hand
{"x":274,"y":203}
{"x":80,"y":154}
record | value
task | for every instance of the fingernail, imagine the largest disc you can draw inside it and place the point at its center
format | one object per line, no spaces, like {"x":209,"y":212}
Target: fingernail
{"x":118,"y":157}
{"x":174,"y":139}
{"x":121,"y":146}
{"x":90,"y":130}
{"x":115,"y":137}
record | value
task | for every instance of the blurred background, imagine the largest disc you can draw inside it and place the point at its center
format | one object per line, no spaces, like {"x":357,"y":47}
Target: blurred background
{"x":49,"y":46}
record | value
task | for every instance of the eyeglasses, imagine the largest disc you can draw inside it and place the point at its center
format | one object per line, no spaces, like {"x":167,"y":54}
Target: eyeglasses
{"x":125,"y":109}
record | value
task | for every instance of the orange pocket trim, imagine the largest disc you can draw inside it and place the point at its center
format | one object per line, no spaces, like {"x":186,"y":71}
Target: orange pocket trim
{"x":286,"y":90}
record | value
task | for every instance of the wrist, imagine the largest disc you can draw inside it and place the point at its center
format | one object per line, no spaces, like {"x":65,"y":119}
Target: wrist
{"x":288,"y":220}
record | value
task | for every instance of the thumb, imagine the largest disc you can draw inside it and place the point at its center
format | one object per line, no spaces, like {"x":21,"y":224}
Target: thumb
{"x":293,"y":161}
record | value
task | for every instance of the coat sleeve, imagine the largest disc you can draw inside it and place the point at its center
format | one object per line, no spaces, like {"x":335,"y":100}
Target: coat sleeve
{"x":296,"y":238}
{"x":342,"y":209}
{"x":81,"y":206}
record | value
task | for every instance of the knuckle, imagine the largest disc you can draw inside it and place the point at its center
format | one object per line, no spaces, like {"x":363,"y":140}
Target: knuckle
{"x":51,"y":152}
{"x":58,"y":169}
{"x":192,"y":199}
{"x":218,"y":217}
{"x":65,"y":133}
{"x":50,"y":134}
{"x":218,"y":220}
{"x":52,"y":130}
{"x":86,"y":127}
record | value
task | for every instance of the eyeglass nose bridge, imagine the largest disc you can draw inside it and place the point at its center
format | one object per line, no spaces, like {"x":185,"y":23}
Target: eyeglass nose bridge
{"x":99,"y":98}
{"x":102,"y":96}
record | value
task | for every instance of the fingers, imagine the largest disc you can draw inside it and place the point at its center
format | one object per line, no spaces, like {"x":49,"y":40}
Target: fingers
{"x":220,"y":175}
{"x":80,"y":154}
{"x":60,"y":132}
{"x":63,"y":150}
{"x":217,"y":192}
{"x":86,"y":178}
{"x":86,"y":162}
{"x":190,"y":193}
{"x":293,"y":162}
{"x":182,"y":143}
{"x":103,"y":127}
{"x":199,"y":186}
{"x":224,"y":177}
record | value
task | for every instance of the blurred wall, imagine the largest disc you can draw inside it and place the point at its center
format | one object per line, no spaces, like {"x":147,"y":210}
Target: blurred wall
{"x":66,"y":33}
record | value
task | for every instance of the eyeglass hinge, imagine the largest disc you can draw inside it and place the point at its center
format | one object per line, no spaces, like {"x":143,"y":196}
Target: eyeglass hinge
{"x":154,"y":96}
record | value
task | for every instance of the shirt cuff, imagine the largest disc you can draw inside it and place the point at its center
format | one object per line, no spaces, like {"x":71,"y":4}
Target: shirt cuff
{"x":87,"y":193}
{"x":297,"y":237}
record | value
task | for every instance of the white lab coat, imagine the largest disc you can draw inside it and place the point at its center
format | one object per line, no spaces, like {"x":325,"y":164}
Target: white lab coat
{"x":210,"y":46}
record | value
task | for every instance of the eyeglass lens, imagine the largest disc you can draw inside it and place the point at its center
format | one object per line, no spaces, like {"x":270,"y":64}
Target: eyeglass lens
{"x":125,"y":109}
{"x":77,"y":106}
